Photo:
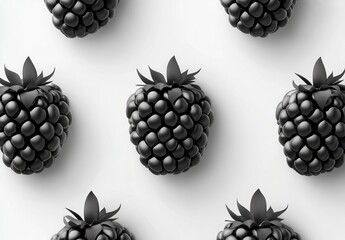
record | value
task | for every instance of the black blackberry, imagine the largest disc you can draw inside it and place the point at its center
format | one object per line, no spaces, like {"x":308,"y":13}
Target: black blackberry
{"x":96,"y":225}
{"x":169,"y":121}
{"x":258,"y":17}
{"x":258,"y":223}
{"x":78,"y":18}
{"x":311,"y":122}
{"x":34,"y":120}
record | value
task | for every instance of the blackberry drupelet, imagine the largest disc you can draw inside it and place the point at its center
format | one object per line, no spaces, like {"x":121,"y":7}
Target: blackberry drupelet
{"x":258,"y":17}
{"x":34,"y":120}
{"x":169,"y":121}
{"x":78,"y":18}
{"x":258,"y":223}
{"x":311,"y":122}
{"x":96,"y":225}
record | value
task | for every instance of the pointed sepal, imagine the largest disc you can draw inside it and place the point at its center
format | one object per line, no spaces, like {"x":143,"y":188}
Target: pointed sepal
{"x":144,"y":79}
{"x":333,"y":80}
{"x":29,"y":72}
{"x":75,"y":214}
{"x":319,"y":73}
{"x":13,"y":77}
{"x":189,"y":78}
{"x":91,"y":208}
{"x":43,"y":81}
{"x":174,"y":76}
{"x":306,"y":81}
{"x":108,"y":215}
{"x":269,"y":213}
{"x":157,"y":76}
{"x":102,"y":212}
{"x":338,"y":82}
{"x":184,"y":75}
{"x":173,"y":71}
{"x":30,"y":79}
{"x":72,"y":222}
{"x":234,"y":216}
{"x":244,"y":212}
{"x":258,"y":207}
{"x":4,"y":83}
{"x":275,"y":215}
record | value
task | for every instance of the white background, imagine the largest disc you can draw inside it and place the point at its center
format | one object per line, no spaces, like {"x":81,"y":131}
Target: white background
{"x":244,"y":76}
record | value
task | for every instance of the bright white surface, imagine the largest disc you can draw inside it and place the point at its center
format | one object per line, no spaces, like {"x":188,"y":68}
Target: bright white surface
{"x":245,"y":78}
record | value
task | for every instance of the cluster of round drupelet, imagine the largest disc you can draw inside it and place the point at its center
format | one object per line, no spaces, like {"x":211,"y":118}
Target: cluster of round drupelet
{"x":78,"y":18}
{"x":170,"y":119}
{"x":258,"y":18}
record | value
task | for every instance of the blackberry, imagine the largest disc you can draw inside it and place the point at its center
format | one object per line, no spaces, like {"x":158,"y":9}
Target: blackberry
{"x":78,"y":18}
{"x":34,"y":120}
{"x":169,"y":121}
{"x":311,"y":123}
{"x":257,"y":224}
{"x":96,"y":225}
{"x":258,"y":17}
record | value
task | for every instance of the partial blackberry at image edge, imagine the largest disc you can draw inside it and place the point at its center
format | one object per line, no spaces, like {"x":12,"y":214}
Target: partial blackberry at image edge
{"x":258,"y":223}
{"x":34,"y":120}
{"x":169,"y":120}
{"x":78,"y":18}
{"x":311,"y":121}
{"x":259,"y":18}
{"x":96,"y":225}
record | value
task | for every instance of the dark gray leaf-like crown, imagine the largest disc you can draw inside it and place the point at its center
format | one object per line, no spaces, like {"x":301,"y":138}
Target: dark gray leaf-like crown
{"x":93,"y":217}
{"x":323,"y":87}
{"x":174,"y":75}
{"x":258,"y":215}
{"x":29,"y":87}
{"x":30,"y":78}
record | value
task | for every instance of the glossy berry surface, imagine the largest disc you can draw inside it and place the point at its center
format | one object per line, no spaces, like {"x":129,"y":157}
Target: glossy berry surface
{"x":311,"y":122}
{"x":34,"y":121}
{"x":258,"y":18}
{"x":78,"y":18}
{"x":169,"y":122}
